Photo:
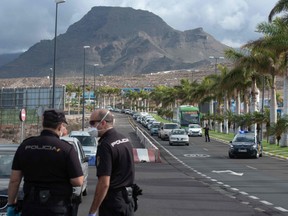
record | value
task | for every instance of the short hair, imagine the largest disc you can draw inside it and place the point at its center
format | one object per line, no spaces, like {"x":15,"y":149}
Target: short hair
{"x":52,"y":118}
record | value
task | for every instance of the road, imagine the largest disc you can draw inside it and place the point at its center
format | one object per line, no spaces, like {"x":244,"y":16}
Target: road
{"x":200,"y":179}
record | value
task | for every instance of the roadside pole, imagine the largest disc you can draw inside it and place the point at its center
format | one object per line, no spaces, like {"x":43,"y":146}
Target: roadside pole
{"x":22,"y":118}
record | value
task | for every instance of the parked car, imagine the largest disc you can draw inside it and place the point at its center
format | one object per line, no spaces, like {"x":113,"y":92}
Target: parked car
{"x":245,"y":143}
{"x":178,"y":137}
{"x":7,"y":152}
{"x":165,"y":129}
{"x":154,"y":128}
{"x":79,"y":191}
{"x":194,"y":130}
{"x":89,"y":144}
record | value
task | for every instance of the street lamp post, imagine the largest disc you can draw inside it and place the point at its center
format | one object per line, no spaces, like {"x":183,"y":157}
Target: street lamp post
{"x":216,"y":60}
{"x":54,"y":61}
{"x":94,"y":88}
{"x":50,"y":76}
{"x":83,"y":96}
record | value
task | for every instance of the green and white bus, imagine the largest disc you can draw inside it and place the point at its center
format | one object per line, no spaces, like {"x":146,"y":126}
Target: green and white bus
{"x":185,"y":115}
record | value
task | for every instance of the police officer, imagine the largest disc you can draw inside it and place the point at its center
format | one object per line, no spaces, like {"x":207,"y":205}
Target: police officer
{"x":50,"y":168}
{"x":115,"y":168}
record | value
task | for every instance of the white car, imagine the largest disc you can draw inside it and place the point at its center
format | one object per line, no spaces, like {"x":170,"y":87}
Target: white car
{"x":88,"y":143}
{"x":194,"y":130}
{"x":79,"y":191}
{"x":178,"y":137}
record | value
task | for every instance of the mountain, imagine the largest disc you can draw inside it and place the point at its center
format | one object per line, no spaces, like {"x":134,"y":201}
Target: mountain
{"x":6,"y":58}
{"x":123,"y":41}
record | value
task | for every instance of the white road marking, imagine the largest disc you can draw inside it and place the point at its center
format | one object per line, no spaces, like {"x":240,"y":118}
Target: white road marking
{"x":266,"y":202}
{"x":229,"y":172}
{"x":254,"y":197}
{"x":252,"y":167}
{"x":281,"y":209}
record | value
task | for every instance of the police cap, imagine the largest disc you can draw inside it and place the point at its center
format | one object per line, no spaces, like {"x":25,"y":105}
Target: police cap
{"x":53,"y":115}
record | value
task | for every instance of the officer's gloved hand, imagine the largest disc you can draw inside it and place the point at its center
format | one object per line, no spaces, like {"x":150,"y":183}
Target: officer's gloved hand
{"x":11,"y":210}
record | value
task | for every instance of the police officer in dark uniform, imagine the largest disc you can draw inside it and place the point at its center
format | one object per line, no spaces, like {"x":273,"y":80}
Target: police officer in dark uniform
{"x":115,"y":168}
{"x":50,"y":168}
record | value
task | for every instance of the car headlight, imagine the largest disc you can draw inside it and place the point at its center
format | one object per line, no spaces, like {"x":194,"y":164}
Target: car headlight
{"x":254,"y":146}
{"x":231,"y":146}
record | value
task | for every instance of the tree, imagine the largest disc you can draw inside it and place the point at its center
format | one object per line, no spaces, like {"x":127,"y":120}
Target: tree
{"x":281,"y":7}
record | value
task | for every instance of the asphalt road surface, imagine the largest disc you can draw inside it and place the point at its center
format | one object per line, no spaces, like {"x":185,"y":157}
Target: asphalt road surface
{"x":201,"y":180}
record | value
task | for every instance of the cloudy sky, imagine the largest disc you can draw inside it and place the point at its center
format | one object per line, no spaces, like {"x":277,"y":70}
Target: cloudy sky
{"x":26,"y":22}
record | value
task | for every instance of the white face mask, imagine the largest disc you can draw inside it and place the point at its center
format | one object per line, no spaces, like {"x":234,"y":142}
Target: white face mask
{"x":93,"y":131}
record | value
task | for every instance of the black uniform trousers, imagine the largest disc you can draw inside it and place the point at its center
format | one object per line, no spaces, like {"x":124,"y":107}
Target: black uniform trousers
{"x":54,"y":206}
{"x":116,"y":203}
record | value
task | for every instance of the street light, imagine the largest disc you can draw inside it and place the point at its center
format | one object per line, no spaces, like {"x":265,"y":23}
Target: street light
{"x":54,"y":62}
{"x":216,"y":60}
{"x":83,"y":96}
{"x":95,"y":65}
{"x":50,"y":76}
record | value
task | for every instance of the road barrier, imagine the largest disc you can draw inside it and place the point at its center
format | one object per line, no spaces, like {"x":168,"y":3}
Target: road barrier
{"x":150,"y":154}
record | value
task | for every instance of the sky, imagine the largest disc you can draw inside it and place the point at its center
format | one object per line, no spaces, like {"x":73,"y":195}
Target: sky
{"x":24,"y":23}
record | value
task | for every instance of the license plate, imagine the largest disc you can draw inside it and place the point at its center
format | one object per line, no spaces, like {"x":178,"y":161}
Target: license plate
{"x":242,"y":150}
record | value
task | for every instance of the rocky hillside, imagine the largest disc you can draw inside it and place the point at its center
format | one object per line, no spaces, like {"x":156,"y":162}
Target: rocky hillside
{"x":123,"y":41}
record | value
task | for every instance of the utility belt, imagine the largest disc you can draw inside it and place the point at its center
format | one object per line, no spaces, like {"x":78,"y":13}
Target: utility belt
{"x":45,"y":196}
{"x":126,"y":192}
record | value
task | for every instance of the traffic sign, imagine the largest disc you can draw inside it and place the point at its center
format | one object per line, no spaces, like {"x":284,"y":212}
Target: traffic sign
{"x":22,"y":115}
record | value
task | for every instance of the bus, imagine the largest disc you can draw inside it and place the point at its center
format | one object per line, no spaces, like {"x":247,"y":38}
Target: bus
{"x":185,"y":115}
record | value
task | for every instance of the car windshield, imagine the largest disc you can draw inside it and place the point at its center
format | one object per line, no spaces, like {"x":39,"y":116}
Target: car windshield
{"x":155,"y":125}
{"x":180,"y":132}
{"x":6,"y":164}
{"x":170,"y":126}
{"x":194,"y":126}
{"x":244,"y":138}
{"x":86,"y":140}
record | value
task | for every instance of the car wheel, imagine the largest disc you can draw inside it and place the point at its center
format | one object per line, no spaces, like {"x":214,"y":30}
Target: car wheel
{"x":230,"y":155}
{"x":187,"y":144}
{"x":257,"y":155}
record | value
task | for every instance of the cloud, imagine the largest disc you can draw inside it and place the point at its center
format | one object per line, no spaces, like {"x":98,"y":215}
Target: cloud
{"x":26,"y":22}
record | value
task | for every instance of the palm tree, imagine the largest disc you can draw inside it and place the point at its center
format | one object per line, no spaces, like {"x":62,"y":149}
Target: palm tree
{"x":281,"y":7}
{"x":279,"y":128}
{"x":69,"y":89}
{"x":78,"y":91}
{"x":273,"y":47}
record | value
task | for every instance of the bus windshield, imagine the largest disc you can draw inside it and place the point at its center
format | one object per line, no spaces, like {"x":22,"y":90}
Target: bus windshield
{"x":189,"y":118}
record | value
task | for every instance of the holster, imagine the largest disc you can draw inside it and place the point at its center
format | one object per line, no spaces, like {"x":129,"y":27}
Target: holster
{"x":128,"y":194}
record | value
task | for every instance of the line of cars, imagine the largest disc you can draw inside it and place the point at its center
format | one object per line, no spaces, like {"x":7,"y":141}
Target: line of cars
{"x":244,"y":143}
{"x":168,"y":131}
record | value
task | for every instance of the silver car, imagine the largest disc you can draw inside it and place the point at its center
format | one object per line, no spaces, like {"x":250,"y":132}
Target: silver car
{"x":178,"y":137}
